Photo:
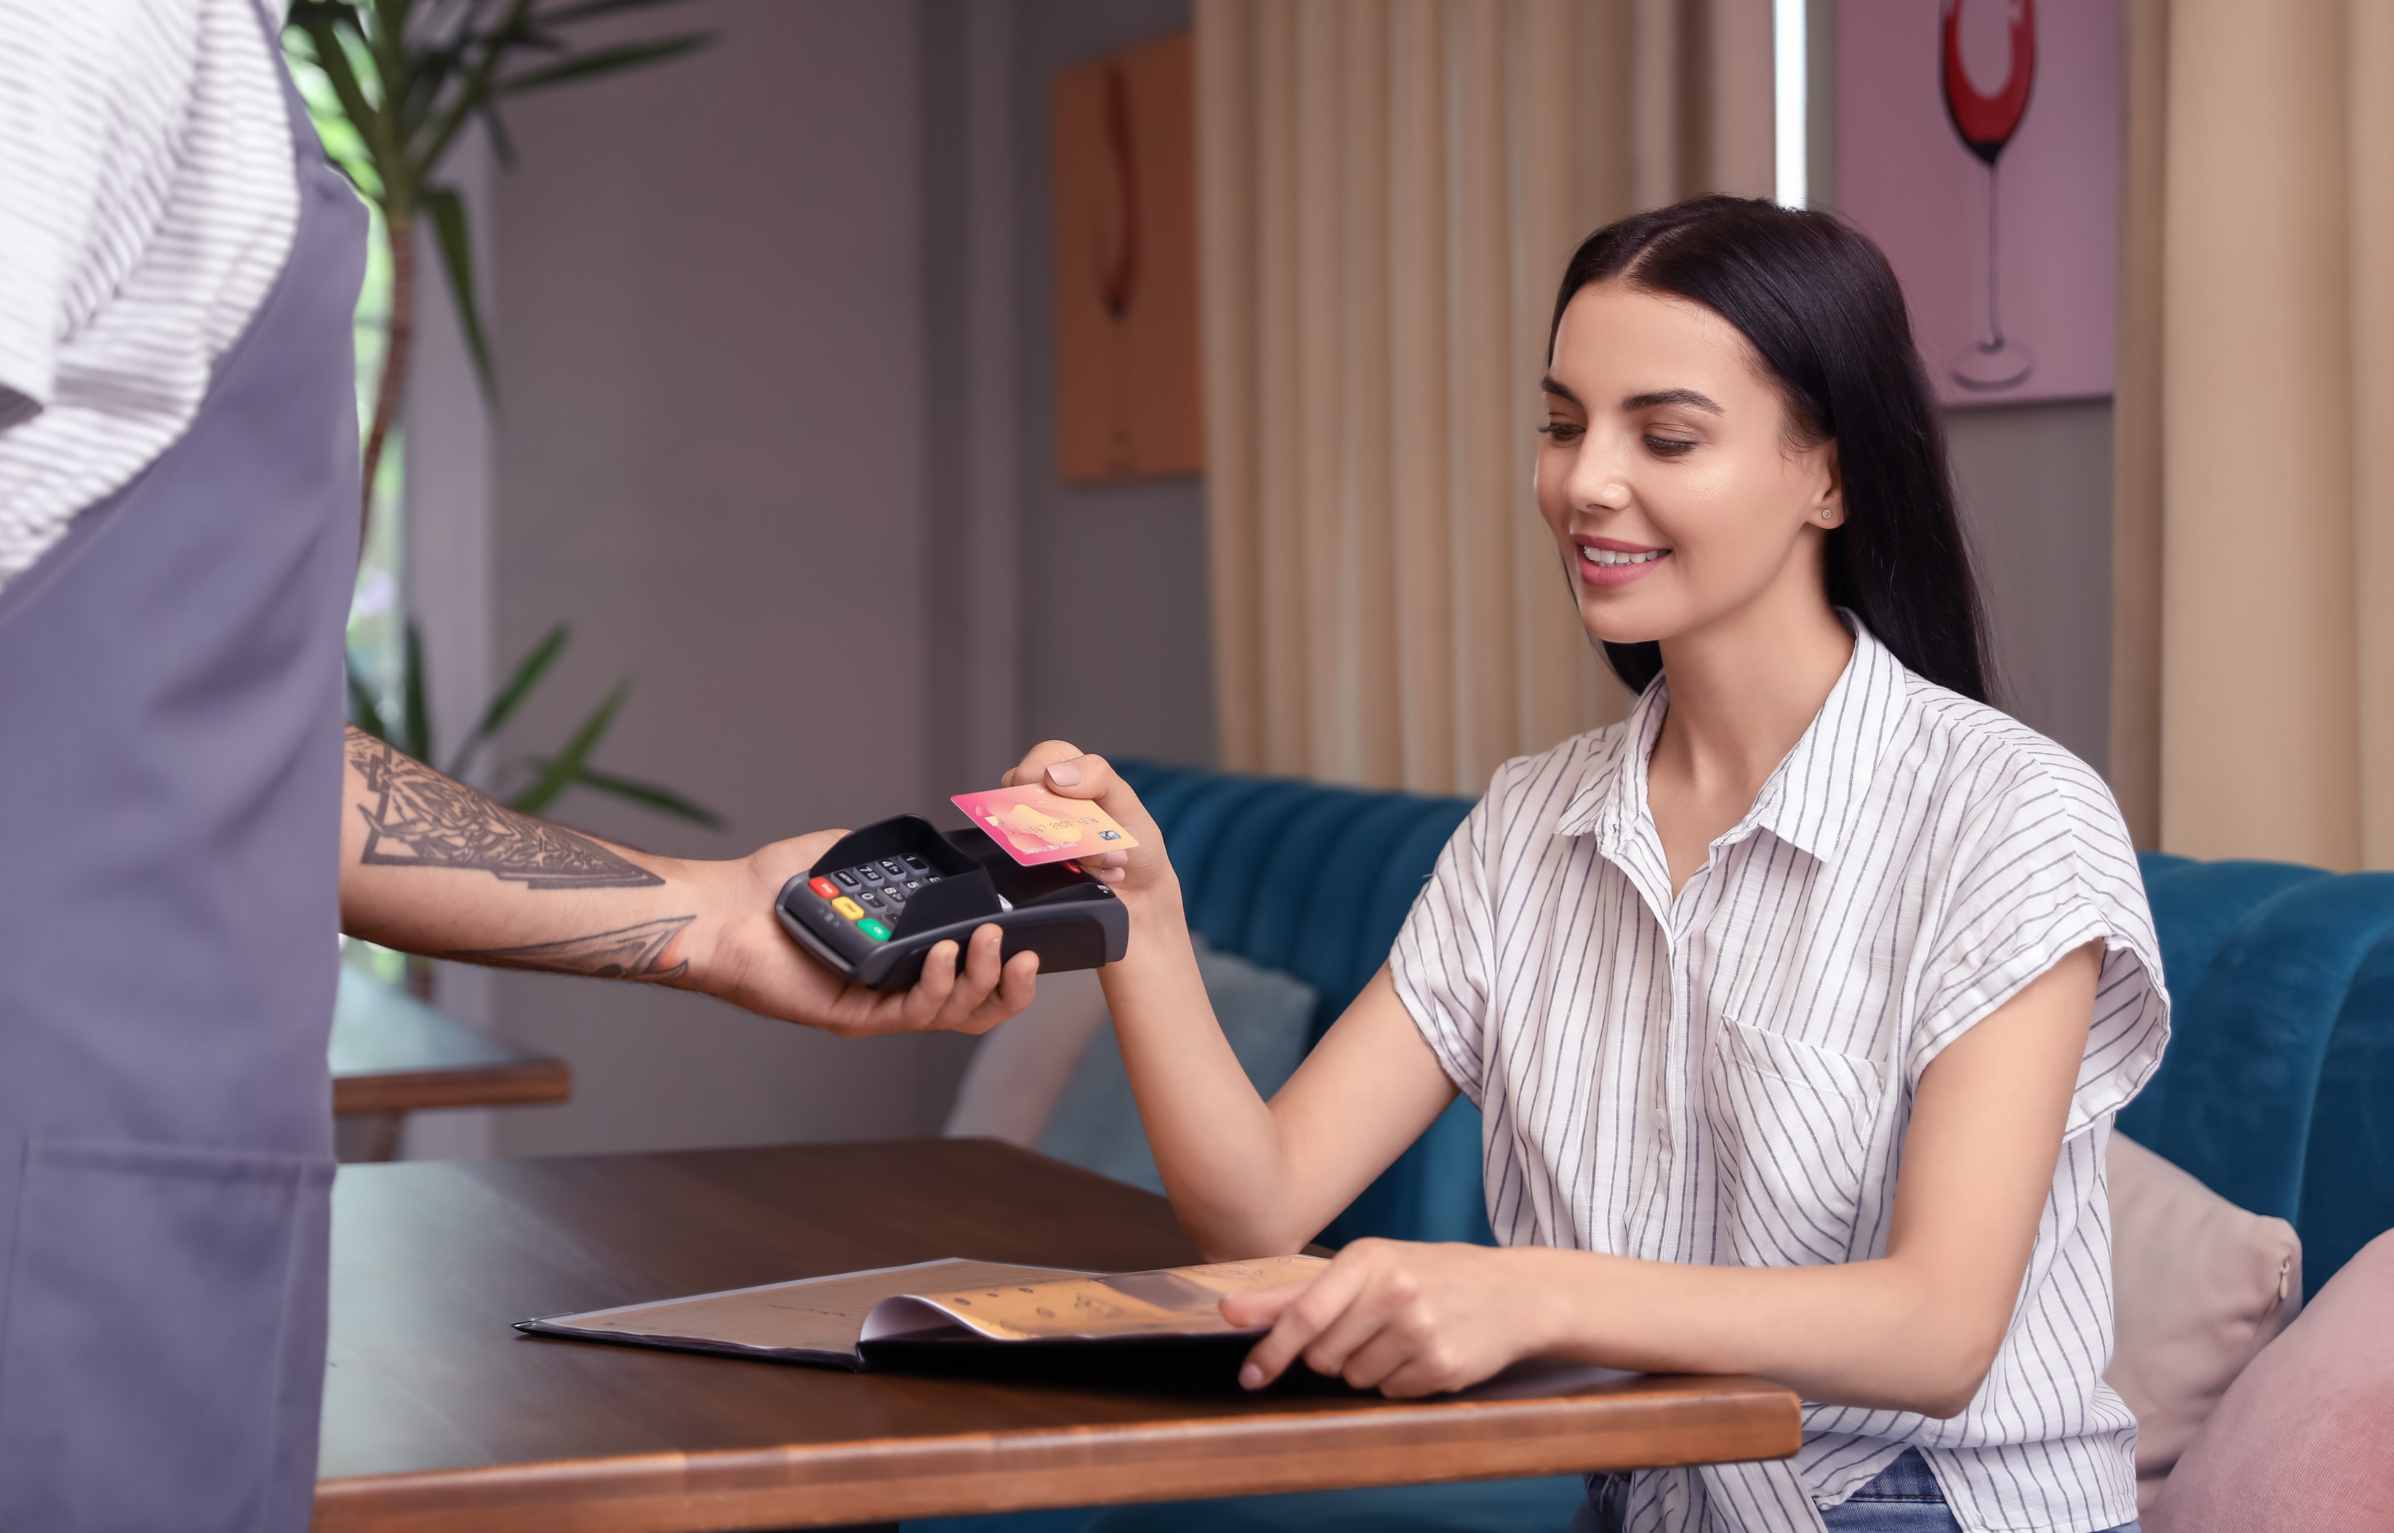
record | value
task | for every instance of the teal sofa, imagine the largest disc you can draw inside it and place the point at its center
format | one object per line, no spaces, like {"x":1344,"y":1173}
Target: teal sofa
{"x":2277,"y":1090}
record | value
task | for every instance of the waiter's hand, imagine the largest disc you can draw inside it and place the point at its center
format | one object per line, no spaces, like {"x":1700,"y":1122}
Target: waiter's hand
{"x":430,"y":865}
{"x":744,"y":957}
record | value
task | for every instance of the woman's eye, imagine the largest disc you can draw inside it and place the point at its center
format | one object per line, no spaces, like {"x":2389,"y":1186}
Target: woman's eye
{"x":1561,"y":431}
{"x":1669,"y":446}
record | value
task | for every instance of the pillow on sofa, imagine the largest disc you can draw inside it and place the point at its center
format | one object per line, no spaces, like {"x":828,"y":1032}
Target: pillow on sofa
{"x":2200,"y":1286}
{"x":2301,"y":1439}
{"x":1019,"y":1068}
{"x":1266,"y":1015}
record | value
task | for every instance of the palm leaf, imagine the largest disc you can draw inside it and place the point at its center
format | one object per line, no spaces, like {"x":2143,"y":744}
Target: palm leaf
{"x":419,"y":717}
{"x":364,"y":712}
{"x":457,"y":257}
{"x":394,"y":61}
{"x":561,"y":769}
{"x":607,"y":61}
{"x":503,"y":704}
{"x":434,"y":68}
{"x":663,"y":800}
{"x":527,"y":32}
{"x":502,"y":144}
{"x":321,"y":21}
{"x":472,"y":89}
{"x":583,"y":10}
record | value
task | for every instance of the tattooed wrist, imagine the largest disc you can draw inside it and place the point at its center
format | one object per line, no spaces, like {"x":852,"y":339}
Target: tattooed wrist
{"x":627,"y":952}
{"x":418,"y":818}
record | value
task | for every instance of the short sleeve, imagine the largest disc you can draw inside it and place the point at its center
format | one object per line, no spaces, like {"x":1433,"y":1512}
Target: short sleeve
{"x":93,"y":98}
{"x":2047,"y":867}
{"x":1440,"y":964}
{"x":50,"y":162}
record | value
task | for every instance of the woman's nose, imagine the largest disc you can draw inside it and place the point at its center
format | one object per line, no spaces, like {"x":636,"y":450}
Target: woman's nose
{"x":1596,"y":485}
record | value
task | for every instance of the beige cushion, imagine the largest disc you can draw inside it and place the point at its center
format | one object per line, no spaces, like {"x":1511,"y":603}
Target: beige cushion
{"x":2305,"y":1439}
{"x":1019,"y":1068}
{"x":2200,"y":1287}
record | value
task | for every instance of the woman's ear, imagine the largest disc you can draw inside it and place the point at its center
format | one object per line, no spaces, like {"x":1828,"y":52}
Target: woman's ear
{"x":1828,"y":499}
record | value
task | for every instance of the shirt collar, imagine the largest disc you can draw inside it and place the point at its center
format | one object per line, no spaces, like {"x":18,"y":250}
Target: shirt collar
{"x":1810,"y":797}
{"x":1612,"y":786}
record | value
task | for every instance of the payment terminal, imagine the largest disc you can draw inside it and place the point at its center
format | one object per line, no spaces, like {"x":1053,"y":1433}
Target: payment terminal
{"x":884,"y":896}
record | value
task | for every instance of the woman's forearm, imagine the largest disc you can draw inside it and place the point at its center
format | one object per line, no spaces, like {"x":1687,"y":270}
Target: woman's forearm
{"x":1869,"y":1333}
{"x":1213,"y":1136}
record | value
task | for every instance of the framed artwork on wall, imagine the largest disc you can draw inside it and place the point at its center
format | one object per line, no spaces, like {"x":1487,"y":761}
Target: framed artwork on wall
{"x":1979,"y":142}
{"x":1128,"y":390}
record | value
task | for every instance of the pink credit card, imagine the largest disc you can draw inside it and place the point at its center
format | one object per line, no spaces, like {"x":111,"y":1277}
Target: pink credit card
{"x":1036,"y":826}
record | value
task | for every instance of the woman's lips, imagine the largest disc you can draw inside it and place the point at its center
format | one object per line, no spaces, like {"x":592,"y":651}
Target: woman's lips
{"x":1609,"y":577}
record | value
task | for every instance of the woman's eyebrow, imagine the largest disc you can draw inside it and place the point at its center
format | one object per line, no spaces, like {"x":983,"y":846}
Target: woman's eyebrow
{"x":1688,"y":397}
{"x":1550,"y":384}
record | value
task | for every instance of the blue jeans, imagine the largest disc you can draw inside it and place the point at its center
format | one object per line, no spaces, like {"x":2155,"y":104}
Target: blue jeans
{"x":1904,"y":1498}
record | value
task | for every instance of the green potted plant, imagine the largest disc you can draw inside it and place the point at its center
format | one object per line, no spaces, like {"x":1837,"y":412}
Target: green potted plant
{"x":529,"y":784}
{"x":406,"y":77}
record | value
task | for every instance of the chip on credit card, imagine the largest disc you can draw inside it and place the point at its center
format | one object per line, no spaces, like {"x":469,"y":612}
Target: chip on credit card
{"x":1037,"y":826}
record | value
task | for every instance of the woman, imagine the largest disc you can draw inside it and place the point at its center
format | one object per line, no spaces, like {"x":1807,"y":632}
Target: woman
{"x":1798,"y":1005}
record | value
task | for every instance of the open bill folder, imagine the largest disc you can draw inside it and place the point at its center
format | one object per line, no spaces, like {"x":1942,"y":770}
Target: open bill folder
{"x":845,"y":1319}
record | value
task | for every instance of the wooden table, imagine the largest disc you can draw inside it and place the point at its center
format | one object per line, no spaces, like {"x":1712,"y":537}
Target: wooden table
{"x":437,"y":1416}
{"x":393,"y":1055}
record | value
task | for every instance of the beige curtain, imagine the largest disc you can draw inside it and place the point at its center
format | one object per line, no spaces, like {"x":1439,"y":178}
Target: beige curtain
{"x":2253,"y":665}
{"x":1388,"y":191}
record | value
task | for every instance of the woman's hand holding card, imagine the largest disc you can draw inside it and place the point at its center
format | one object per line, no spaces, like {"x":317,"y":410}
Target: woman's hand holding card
{"x":1139,"y":867}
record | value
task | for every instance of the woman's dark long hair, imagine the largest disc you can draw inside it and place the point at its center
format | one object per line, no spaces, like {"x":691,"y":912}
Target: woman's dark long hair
{"x":1821,"y":308}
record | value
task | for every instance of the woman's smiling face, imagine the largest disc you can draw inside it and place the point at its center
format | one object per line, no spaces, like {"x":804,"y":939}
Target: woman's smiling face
{"x":1668,"y":474}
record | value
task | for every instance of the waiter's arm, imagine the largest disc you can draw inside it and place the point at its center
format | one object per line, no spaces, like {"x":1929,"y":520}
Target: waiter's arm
{"x":429,"y":865}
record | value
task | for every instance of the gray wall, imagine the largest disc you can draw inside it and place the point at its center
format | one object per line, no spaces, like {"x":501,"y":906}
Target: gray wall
{"x":783,"y":517}
{"x":1109,"y":630}
{"x":716,"y":460}
{"x":1120,"y":640}
{"x":2035,"y":486}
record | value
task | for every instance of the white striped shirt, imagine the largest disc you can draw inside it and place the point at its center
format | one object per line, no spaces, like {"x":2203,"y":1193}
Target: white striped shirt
{"x":1725,"y":1076}
{"x":147,"y":202}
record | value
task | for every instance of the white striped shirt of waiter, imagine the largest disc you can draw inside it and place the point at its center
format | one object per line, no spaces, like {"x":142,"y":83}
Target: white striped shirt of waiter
{"x":1724,"y":1076}
{"x":147,"y":202}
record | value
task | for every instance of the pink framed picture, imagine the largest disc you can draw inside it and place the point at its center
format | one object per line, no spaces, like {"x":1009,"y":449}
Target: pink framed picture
{"x":1979,"y":142}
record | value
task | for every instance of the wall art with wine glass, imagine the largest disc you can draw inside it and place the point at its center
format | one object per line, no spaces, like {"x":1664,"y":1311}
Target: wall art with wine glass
{"x":1979,"y":142}
{"x":1129,"y":391}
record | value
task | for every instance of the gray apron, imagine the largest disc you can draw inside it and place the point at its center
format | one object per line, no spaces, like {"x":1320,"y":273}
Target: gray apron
{"x":170,"y":799}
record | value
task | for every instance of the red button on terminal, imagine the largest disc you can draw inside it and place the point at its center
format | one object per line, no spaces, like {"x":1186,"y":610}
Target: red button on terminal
{"x":824,"y":887}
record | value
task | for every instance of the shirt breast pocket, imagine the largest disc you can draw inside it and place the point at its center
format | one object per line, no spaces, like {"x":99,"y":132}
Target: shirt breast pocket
{"x":1791,"y":1127}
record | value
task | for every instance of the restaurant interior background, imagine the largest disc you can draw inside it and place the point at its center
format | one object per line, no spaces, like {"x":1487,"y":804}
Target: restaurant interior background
{"x":776,"y":329}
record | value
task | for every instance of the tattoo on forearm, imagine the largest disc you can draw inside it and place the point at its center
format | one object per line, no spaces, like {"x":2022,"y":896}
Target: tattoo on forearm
{"x":420,"y":819}
{"x":628,"y":952}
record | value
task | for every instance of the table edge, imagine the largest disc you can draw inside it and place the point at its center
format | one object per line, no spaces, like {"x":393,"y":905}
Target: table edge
{"x":512,"y":1083}
{"x":883,"y":1480}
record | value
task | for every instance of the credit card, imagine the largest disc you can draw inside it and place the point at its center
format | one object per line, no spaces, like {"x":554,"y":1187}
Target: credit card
{"x":1036,"y":826}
